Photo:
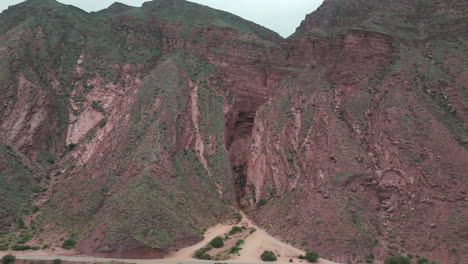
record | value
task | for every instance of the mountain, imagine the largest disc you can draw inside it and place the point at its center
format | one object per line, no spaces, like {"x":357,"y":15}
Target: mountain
{"x":133,"y":129}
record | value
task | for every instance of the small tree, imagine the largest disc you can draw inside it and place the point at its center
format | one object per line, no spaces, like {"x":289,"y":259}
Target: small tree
{"x":217,"y":242}
{"x":57,"y":261}
{"x":8,"y":259}
{"x":312,"y":256}
{"x":268,"y":256}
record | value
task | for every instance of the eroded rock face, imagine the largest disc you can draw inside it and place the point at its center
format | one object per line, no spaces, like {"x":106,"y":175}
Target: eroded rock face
{"x":347,"y":137}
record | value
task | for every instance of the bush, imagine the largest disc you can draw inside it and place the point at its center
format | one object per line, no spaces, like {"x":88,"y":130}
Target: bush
{"x":68,"y":244}
{"x":240,"y":242}
{"x":35,"y":247}
{"x":397,"y":260}
{"x":8,"y":259}
{"x":57,"y":261}
{"x":422,"y":261}
{"x":301,"y":257}
{"x":217,"y":242}
{"x":4,"y":247}
{"x":201,"y":253}
{"x":370,"y":258}
{"x":235,"y":229}
{"x":312,"y":256}
{"x":234,"y":250}
{"x":72,"y":146}
{"x":261,"y":203}
{"x":21,"y":247}
{"x":268,"y":256}
{"x":205,"y":256}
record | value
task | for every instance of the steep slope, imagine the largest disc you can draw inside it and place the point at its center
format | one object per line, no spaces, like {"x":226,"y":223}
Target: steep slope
{"x":157,"y":122}
{"x":131,"y":121}
{"x":364,"y":145}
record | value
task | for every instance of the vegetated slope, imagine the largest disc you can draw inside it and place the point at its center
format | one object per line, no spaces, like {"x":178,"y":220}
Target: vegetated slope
{"x":126,"y":107}
{"x":20,"y":179}
{"x":156,"y":122}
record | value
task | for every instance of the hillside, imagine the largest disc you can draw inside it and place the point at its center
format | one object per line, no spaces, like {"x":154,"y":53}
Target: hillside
{"x":143,"y":126}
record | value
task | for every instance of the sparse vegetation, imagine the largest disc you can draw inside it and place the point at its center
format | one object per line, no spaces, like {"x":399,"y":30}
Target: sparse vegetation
{"x":397,"y":260}
{"x":268,"y":256}
{"x":57,"y":261}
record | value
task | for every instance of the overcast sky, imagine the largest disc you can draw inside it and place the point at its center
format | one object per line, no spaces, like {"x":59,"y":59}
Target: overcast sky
{"x":282,"y":16}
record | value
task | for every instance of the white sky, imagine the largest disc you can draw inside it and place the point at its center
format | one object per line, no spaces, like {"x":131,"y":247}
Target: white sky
{"x":282,"y":16}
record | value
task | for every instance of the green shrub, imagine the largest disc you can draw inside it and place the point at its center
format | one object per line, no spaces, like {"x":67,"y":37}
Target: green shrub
{"x":397,"y":260}
{"x":268,"y":256}
{"x":45,"y":246}
{"x":96,"y":105}
{"x":21,"y":247}
{"x":4,"y":247}
{"x":238,"y":217}
{"x":68,"y":244}
{"x":235,"y":230}
{"x":57,"y":261}
{"x":35,"y":247}
{"x":301,"y":257}
{"x":234,"y":250}
{"x":370,"y":258}
{"x":205,"y":257}
{"x":290,"y":260}
{"x":261,"y":203}
{"x":252,"y":230}
{"x":201,"y":253}
{"x":217,"y":242}
{"x":25,"y":238}
{"x":198,"y":253}
{"x":240,"y":242}
{"x":72,"y":146}
{"x":8,"y":259}
{"x":422,"y":261}
{"x":312,"y":256}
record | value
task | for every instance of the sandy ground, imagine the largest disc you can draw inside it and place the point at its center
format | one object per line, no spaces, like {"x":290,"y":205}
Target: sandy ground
{"x":254,"y":245}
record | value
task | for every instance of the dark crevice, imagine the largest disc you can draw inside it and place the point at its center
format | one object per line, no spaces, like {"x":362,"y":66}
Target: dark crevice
{"x":239,"y":126}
